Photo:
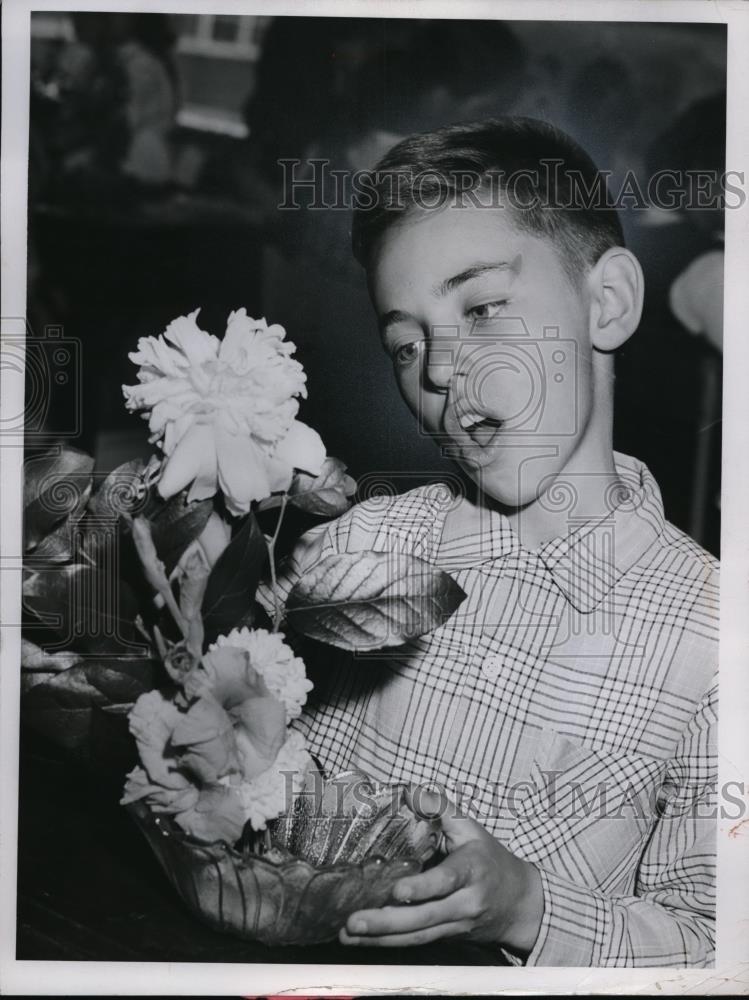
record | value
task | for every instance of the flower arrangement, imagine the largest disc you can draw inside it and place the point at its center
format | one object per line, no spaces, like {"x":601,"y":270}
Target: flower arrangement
{"x":140,"y":587}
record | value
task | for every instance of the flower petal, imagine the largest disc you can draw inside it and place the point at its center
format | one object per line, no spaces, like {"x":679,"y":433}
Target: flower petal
{"x":159,"y":799}
{"x":302,"y":448}
{"x":194,"y":457}
{"x":227,"y":677}
{"x":263,"y":722}
{"x":279,"y":672}
{"x":237,"y":342}
{"x":205,"y":735}
{"x":241,"y":471}
{"x":152,"y":721}
{"x":267,"y":795}
{"x":217,"y":815}
{"x":197,"y":345}
{"x":205,"y":483}
{"x":280,"y":475}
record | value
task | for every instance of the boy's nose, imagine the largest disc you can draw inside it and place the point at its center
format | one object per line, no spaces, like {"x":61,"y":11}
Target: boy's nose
{"x":440,"y":359}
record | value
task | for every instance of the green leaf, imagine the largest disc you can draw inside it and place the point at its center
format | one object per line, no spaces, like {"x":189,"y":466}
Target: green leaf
{"x":177,"y":523}
{"x":62,"y":706}
{"x":327,"y":494}
{"x":370,"y":600}
{"x":59,"y":546}
{"x":121,"y":492}
{"x":34,"y":659}
{"x":230,"y":593}
{"x":55,"y":491}
{"x":85,"y":607}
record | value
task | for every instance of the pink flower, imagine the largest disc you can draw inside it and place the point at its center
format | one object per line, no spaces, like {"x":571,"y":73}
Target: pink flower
{"x":274,"y":660}
{"x":218,"y":754}
{"x":258,"y":718}
{"x":185,"y":754}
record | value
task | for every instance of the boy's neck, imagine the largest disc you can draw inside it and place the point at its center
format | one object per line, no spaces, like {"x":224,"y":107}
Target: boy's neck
{"x":587,"y":493}
{"x":581,"y":492}
{"x":585,"y":488}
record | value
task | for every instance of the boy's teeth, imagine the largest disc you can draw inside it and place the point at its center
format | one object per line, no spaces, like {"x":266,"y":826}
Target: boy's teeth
{"x":469,"y":419}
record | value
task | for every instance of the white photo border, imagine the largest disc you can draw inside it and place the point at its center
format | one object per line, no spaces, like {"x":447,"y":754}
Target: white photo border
{"x":731,"y":974}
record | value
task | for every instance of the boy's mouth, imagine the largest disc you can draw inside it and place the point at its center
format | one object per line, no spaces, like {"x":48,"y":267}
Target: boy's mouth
{"x":480,"y":429}
{"x":472,"y":432}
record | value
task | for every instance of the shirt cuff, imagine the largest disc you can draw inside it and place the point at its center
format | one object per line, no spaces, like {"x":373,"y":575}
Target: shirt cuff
{"x":575,"y":924}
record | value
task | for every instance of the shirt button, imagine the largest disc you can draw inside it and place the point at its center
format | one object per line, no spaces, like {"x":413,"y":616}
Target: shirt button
{"x":491,"y":666}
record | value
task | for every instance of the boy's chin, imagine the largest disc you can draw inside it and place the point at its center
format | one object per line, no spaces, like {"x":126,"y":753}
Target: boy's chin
{"x":518,"y":476}
{"x":503,"y":483}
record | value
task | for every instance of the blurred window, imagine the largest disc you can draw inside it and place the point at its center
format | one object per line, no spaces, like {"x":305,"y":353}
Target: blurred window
{"x":223,"y":36}
{"x":188,"y":24}
{"x":225,"y":27}
{"x":216,"y":55}
{"x":52,"y":26}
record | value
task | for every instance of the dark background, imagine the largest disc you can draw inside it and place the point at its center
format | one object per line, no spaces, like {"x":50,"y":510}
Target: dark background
{"x":119,"y":245}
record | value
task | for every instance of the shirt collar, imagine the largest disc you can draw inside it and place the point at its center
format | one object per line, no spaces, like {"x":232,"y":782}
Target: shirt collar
{"x":587,"y":563}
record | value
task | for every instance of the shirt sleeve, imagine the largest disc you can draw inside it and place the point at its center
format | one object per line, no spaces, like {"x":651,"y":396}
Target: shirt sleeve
{"x":670,"y":920}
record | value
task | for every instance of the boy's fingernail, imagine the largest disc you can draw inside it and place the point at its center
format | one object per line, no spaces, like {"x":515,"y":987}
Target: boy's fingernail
{"x":358,"y":926}
{"x":402,"y":893}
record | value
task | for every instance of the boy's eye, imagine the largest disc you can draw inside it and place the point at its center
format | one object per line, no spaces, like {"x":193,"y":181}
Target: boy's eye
{"x":487,"y":310}
{"x":406,"y":353}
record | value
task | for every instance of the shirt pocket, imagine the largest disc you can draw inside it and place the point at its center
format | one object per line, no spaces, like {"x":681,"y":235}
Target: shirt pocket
{"x":587,"y":813}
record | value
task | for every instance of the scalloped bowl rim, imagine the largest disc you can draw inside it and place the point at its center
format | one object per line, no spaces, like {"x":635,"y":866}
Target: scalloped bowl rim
{"x":169,"y":829}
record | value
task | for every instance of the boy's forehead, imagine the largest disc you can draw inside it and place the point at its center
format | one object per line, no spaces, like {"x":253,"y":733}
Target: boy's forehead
{"x":457,"y":222}
{"x":432,"y":245}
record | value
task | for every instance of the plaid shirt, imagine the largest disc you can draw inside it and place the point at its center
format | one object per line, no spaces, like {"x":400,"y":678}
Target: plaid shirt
{"x":569,"y":704}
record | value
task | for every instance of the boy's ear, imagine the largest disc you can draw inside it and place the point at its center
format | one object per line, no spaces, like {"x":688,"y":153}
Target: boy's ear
{"x":616,"y":287}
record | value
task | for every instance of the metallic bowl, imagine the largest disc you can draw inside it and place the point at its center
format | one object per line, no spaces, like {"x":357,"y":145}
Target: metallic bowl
{"x":340,"y":848}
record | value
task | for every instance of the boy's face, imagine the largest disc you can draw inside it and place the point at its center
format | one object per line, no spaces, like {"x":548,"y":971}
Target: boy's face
{"x":489,"y":343}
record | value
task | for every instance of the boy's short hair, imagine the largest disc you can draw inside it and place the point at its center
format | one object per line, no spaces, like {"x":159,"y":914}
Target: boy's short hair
{"x":547,"y":182}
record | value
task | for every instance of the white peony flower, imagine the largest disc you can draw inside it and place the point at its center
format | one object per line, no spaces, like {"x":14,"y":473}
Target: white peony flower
{"x":283,"y":673}
{"x":224,"y":411}
{"x":271,"y":793}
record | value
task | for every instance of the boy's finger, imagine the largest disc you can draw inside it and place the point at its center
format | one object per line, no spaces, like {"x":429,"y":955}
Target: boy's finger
{"x":454,"y":928}
{"x":459,"y":830}
{"x":436,"y":883}
{"x":400,"y":919}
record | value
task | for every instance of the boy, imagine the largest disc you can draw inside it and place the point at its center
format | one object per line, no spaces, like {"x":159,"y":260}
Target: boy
{"x":569,"y":704}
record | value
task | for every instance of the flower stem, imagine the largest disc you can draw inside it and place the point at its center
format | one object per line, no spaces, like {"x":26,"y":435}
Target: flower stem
{"x":271,"y":556}
{"x":154,"y":570}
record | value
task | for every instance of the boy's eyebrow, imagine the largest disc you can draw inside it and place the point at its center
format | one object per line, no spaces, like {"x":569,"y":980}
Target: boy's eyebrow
{"x":393,"y":316}
{"x":475,"y":271}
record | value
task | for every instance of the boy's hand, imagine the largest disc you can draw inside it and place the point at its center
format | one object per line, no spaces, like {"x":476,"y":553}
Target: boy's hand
{"x":480,"y":892}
